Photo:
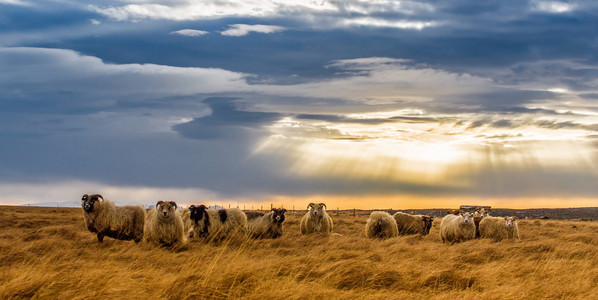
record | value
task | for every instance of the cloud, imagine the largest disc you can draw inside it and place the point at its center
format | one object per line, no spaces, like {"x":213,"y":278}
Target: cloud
{"x":196,"y":10}
{"x":226,"y":119}
{"x":88,"y":83}
{"x":190,"y":32}
{"x":244,"y":29}
{"x":555,"y":7}
{"x":377,"y":22}
{"x":15,"y":2}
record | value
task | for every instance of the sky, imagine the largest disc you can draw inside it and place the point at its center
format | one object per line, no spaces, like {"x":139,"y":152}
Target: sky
{"x":367,"y":104}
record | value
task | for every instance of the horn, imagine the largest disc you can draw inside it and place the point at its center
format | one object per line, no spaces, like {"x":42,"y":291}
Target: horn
{"x":173,"y":204}
{"x":324,"y":204}
{"x":159,"y":203}
{"x":310,"y":205}
{"x":100,"y":196}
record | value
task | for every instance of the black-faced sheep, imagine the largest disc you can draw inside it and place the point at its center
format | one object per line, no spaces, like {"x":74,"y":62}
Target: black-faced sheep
{"x":316,"y":220}
{"x":499,"y":228}
{"x":163,"y":225}
{"x":106,"y":219}
{"x":413,"y":224}
{"x":215,"y":224}
{"x":268,"y":225}
{"x":459,"y":228}
{"x":382,"y":225}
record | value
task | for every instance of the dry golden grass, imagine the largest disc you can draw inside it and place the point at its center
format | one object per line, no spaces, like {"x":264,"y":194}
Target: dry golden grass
{"x":48,"y":253}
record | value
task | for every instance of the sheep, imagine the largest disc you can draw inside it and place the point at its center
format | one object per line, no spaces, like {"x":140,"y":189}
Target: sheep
{"x":106,"y":219}
{"x":381,"y":224}
{"x":163,"y":225}
{"x":185,"y":215}
{"x":268,"y":225}
{"x":459,"y":228}
{"x":316,"y":220}
{"x":484,"y":213}
{"x":455,"y":212}
{"x":499,"y":228}
{"x":215,"y":224}
{"x":413,"y":224}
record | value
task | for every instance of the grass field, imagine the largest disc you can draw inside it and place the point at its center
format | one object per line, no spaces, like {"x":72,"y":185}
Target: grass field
{"x":48,"y":253}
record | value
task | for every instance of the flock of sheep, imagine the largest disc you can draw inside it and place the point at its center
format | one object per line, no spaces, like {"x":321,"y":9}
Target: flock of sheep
{"x":456,"y":226}
{"x":165,"y":225}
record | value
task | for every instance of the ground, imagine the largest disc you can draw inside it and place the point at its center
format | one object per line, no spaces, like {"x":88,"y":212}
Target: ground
{"x":48,"y":253}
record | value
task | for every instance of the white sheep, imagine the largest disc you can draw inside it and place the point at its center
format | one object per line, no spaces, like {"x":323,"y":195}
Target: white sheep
{"x":499,"y":228}
{"x":382,"y":225}
{"x":316,"y":220}
{"x":215,"y":224}
{"x":163,"y":225}
{"x":457,"y":228}
{"x":106,"y":219}
{"x":413,"y":224}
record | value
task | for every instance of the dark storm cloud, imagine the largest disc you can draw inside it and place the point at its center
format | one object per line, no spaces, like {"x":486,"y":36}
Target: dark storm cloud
{"x":226,"y":118}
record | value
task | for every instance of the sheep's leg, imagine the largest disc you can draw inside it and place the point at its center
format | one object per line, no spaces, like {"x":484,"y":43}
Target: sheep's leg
{"x":100,"y":237}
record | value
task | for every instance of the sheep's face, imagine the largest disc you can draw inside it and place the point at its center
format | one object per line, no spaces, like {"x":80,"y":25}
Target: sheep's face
{"x":427,"y":223}
{"x":317,"y":210}
{"x":510,"y":222}
{"x":278,"y":215}
{"x":197,"y":212}
{"x":88,"y":201}
{"x":166,"y":210}
{"x":467,"y":218}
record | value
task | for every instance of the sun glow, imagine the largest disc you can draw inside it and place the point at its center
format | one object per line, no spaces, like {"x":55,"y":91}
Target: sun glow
{"x":432,"y":152}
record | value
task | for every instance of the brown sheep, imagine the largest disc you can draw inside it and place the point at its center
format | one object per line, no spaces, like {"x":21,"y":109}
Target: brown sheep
{"x":499,"y":228}
{"x":381,"y":224}
{"x":316,"y":220}
{"x":413,"y":224}
{"x":163,"y":225}
{"x":106,"y":219}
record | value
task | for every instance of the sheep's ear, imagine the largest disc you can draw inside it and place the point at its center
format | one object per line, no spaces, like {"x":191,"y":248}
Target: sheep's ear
{"x":85,"y":197}
{"x":514,"y":218}
{"x":310,"y":205}
{"x":191,"y":207}
{"x":173,"y":204}
{"x":284,"y":211}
